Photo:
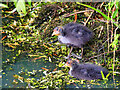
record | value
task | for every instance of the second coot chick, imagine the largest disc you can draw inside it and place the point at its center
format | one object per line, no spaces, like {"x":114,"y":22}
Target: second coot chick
{"x":85,"y":71}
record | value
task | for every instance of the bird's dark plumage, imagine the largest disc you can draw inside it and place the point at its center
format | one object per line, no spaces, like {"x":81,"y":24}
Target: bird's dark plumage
{"x":77,"y":34}
{"x":73,"y":34}
{"x":86,"y":71}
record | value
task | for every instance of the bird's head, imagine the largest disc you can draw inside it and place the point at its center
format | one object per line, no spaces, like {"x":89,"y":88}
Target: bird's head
{"x":57,"y":31}
{"x":72,"y":63}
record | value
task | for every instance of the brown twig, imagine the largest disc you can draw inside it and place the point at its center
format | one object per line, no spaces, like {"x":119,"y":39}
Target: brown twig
{"x":103,"y":54}
{"x":75,"y":18}
{"x":105,"y":21}
{"x":67,"y":15}
{"x":4,"y":37}
{"x":36,"y":58}
{"x":44,"y":68}
{"x":114,"y":57}
{"x":88,"y":18}
{"x":75,"y":85}
{"x":101,"y":29}
{"x":108,"y":28}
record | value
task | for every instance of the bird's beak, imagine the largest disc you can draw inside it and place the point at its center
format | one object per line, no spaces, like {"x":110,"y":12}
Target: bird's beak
{"x":54,"y":33}
{"x":57,"y":33}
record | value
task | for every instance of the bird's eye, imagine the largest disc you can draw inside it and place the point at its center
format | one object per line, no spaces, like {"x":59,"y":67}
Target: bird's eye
{"x":68,"y":62}
{"x":57,"y":29}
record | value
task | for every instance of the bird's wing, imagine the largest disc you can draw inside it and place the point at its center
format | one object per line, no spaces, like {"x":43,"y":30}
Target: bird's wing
{"x":78,"y":32}
{"x":94,"y":73}
{"x":80,"y":73}
{"x":81,"y":32}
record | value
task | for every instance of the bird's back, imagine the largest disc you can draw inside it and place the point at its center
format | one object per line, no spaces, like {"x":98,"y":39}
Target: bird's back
{"x":89,"y":71}
{"x":77,"y":33}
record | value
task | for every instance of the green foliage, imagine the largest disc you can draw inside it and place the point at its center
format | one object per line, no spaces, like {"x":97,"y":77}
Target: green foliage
{"x":103,"y":77}
{"x":94,"y":9}
{"x":115,"y":42}
{"x":29,"y":2}
{"x":113,"y":5}
{"x":104,"y":15}
{"x":32,"y":34}
{"x":21,"y":7}
{"x":3,"y":5}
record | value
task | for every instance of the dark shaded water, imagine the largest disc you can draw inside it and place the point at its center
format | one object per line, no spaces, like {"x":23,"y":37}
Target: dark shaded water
{"x":25,"y":64}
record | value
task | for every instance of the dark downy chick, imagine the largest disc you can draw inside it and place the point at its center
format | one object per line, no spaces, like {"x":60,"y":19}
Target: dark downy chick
{"x":73,"y":34}
{"x":85,"y":71}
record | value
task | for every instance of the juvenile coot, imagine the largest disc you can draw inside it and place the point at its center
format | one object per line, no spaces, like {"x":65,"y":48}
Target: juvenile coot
{"x":73,"y":34}
{"x":85,"y":71}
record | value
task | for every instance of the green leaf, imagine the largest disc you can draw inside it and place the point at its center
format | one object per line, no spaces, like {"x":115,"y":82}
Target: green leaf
{"x":15,"y":2}
{"x":21,"y":7}
{"x":3,"y":5}
{"x":95,"y":10}
{"x":115,"y":42}
{"x":103,"y":77}
{"x":111,"y":4}
{"x":29,"y":2}
{"x":107,"y":75}
{"x":115,"y":13}
{"x":1,"y":28}
{"x":105,"y":16}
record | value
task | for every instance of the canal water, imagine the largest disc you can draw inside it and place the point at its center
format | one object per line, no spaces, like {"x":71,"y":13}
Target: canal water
{"x":28,"y":68}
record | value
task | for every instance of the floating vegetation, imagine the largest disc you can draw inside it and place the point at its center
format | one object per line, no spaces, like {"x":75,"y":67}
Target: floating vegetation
{"x":27,"y":32}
